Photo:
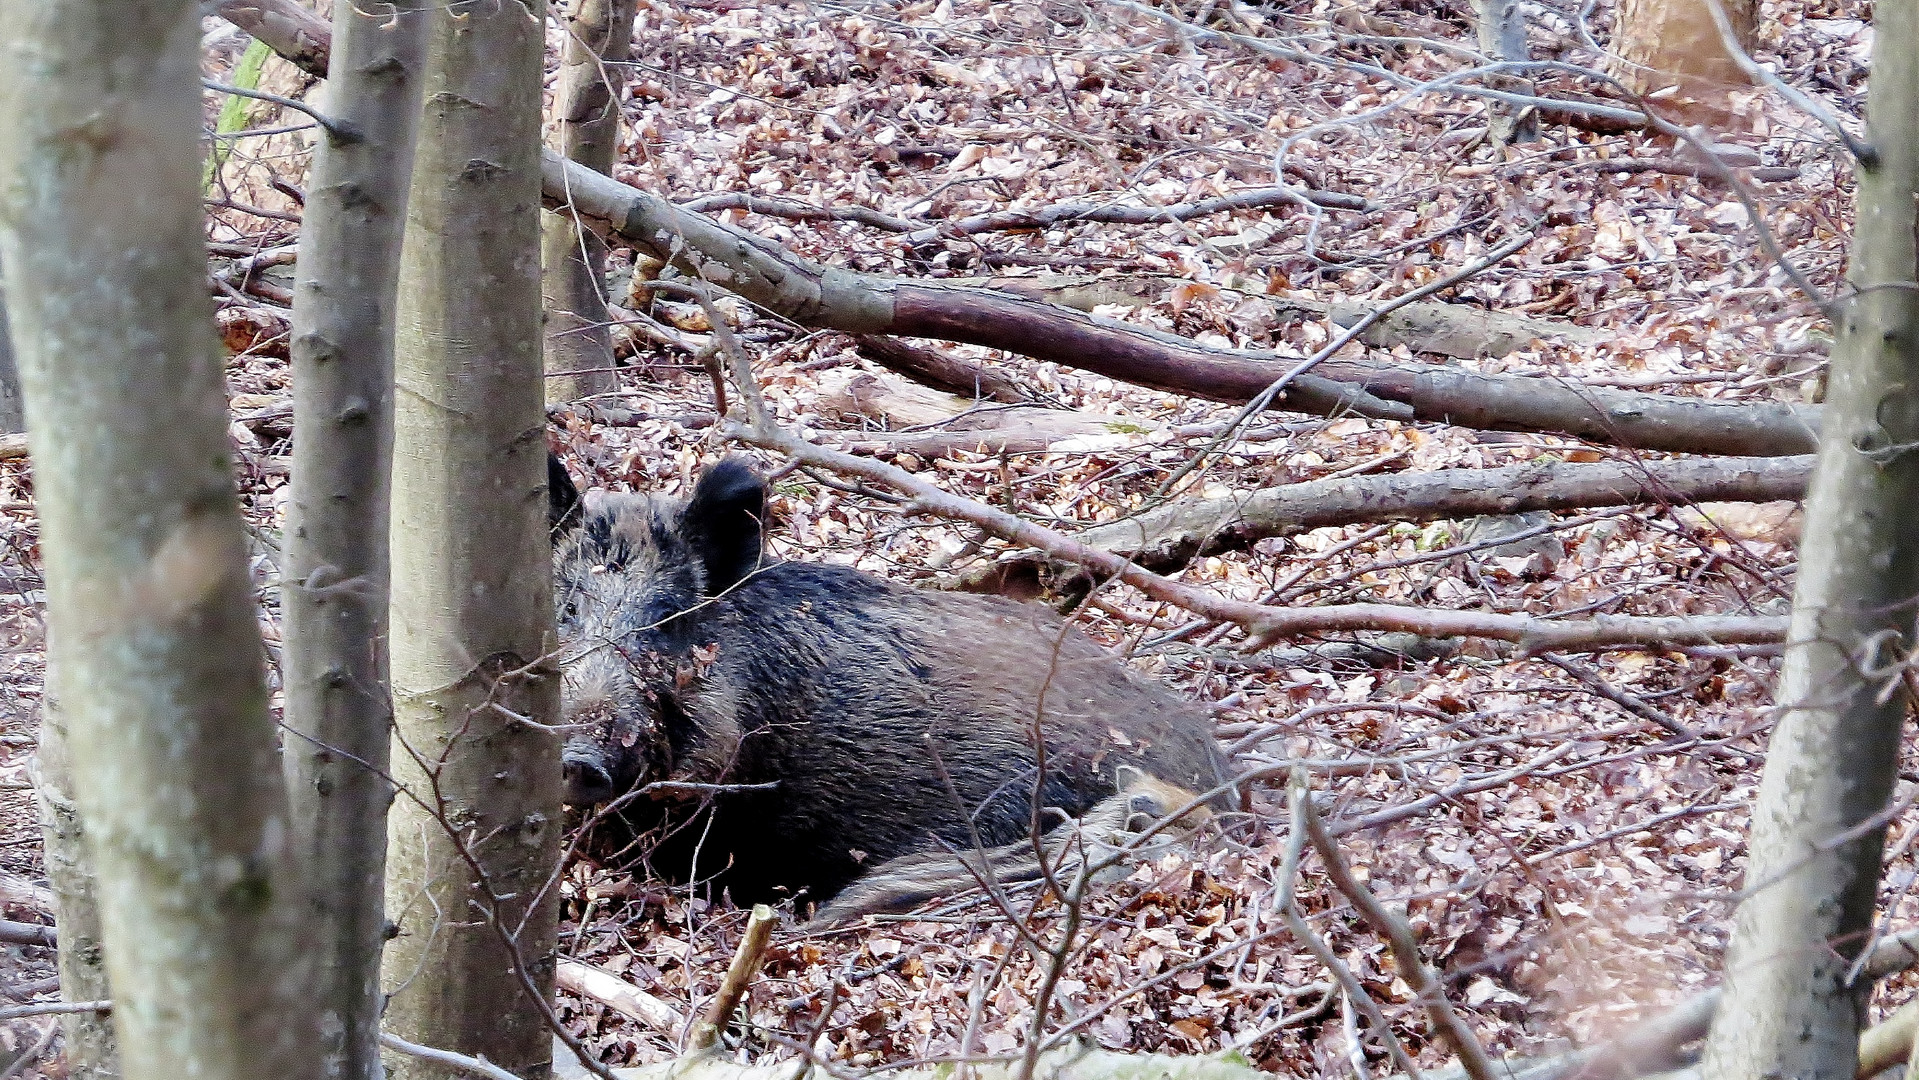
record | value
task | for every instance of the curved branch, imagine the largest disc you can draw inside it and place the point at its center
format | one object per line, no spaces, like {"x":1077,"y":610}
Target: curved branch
{"x":827,"y":297}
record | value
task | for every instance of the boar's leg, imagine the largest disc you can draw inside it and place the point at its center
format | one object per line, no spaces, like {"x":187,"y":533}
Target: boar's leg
{"x":1106,"y":834}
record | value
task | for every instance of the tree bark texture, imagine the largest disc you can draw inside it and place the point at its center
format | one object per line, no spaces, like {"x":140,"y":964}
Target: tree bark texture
{"x":469,"y":862}
{"x":154,"y":640}
{"x":1500,"y":27}
{"x":579,"y":345}
{"x":89,"y":1050}
{"x":339,"y":715}
{"x":859,"y":303}
{"x":1666,"y":43}
{"x":1830,"y":768}
{"x":13,"y":413}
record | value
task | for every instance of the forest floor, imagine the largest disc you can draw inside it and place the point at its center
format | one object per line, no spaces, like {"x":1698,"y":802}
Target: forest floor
{"x":1571,"y":865}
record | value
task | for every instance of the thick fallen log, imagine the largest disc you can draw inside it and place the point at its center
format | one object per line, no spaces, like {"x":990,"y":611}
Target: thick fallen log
{"x":833,"y":298}
{"x":1175,"y":534}
{"x":1432,"y":326}
{"x":1628,"y":418}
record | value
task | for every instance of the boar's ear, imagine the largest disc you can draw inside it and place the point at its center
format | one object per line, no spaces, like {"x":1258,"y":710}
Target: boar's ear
{"x":562,"y":499}
{"x":722,"y":522}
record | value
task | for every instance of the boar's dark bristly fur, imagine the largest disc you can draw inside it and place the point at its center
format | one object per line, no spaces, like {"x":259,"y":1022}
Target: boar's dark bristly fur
{"x":689,"y":656}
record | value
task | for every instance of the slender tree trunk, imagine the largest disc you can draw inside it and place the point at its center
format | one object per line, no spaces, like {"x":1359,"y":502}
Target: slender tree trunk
{"x":13,"y":414}
{"x":1500,"y":26}
{"x":579,"y":345}
{"x":339,"y":716}
{"x":89,"y":1049}
{"x":153,"y":633}
{"x":472,"y":592}
{"x":1831,"y":766}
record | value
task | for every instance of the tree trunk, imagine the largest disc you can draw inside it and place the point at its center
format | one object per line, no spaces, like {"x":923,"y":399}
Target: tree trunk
{"x":1676,"y":43}
{"x":1788,"y":1010}
{"x":339,"y":715}
{"x":153,"y":635}
{"x":13,"y":414}
{"x":579,"y":345}
{"x":89,"y":1050}
{"x":470,"y":862}
{"x":1500,"y":26}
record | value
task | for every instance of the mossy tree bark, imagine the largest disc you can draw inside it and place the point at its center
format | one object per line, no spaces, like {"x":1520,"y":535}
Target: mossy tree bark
{"x":89,"y":1050}
{"x":579,"y":344}
{"x":1788,"y":1010}
{"x":154,"y":640}
{"x":474,"y":841}
{"x":339,"y":715}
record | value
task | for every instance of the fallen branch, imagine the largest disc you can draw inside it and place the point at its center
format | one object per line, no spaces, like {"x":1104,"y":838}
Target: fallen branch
{"x":619,"y":995}
{"x":1412,"y":967}
{"x":478,"y":1066}
{"x":920,"y":233}
{"x":1889,"y":1042}
{"x":940,"y":370}
{"x":739,"y":974}
{"x":1264,"y":624}
{"x":1045,"y":217}
{"x":19,"y":933}
{"x":1175,"y":534}
{"x":1762,"y":173}
{"x":1645,"y":421}
{"x":289,"y":28}
{"x":826,"y":297}
{"x":831,"y":298}
{"x":55,"y":1008}
{"x":1072,"y":1062}
{"x":932,"y":423}
{"x":1432,"y":326}
{"x":13,"y":446}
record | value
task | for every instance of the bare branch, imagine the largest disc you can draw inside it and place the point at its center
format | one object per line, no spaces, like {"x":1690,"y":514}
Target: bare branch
{"x":1412,"y":967}
{"x":746,"y":961}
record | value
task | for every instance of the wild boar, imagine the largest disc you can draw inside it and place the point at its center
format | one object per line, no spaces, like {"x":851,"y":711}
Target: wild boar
{"x":802,"y":724}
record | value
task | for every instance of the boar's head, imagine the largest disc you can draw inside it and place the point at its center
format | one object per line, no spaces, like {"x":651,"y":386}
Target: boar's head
{"x":635,"y":586}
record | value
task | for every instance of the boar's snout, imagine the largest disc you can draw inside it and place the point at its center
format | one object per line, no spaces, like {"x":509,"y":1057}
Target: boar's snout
{"x":588,"y":781}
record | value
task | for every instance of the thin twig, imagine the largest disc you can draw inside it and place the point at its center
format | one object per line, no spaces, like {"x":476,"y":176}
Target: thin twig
{"x":1412,"y":967}
{"x":340,"y":131}
{"x":1297,"y":795}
